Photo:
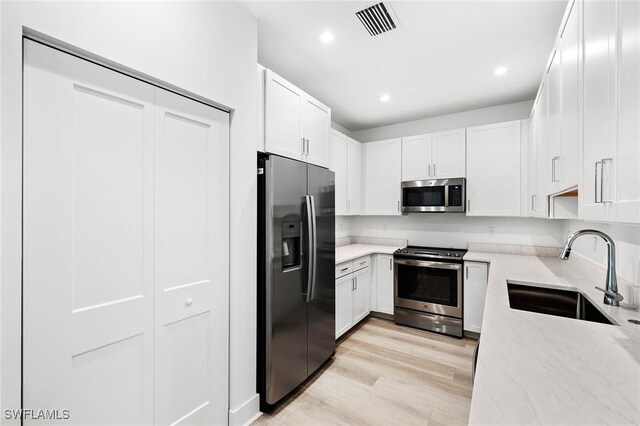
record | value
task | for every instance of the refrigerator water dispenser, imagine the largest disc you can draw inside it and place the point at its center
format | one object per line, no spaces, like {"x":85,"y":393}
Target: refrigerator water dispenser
{"x":290,"y":245}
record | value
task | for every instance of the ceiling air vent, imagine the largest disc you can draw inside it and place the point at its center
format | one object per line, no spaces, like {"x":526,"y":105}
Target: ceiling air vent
{"x":377,"y":19}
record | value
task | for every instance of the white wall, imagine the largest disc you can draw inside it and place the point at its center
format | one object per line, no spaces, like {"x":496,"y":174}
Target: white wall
{"x":454,"y":230}
{"x":476,"y":117}
{"x":207,"y":48}
{"x":626,"y":238}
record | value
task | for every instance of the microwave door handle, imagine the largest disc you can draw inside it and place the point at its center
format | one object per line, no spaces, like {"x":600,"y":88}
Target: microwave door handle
{"x":307,"y":203}
{"x":446,"y":193}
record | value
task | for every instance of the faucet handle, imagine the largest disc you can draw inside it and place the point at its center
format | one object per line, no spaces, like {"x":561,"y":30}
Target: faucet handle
{"x":612,"y":294}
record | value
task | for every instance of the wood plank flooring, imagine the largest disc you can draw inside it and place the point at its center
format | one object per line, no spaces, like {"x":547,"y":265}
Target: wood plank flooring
{"x":384,"y":374}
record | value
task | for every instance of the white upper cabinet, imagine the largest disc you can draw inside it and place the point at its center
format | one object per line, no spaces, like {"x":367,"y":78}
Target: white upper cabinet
{"x":354,"y":177}
{"x":626,"y":179}
{"x":383,"y":177}
{"x":448,"y":151}
{"x":315,"y":131}
{"x":493,"y":170}
{"x":542,"y":153}
{"x":434,"y":156}
{"x":346,"y":162}
{"x":566,"y":172}
{"x":554,"y":122}
{"x":416,"y":158}
{"x":532,"y":164}
{"x":338,"y":164}
{"x":610,"y":152}
{"x":283,"y":113}
{"x":295,"y":124}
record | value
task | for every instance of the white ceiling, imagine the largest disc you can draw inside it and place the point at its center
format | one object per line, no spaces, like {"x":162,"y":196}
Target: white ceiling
{"x":439,"y":61}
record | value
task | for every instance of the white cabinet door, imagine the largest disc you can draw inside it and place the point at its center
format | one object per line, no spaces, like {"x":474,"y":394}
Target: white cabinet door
{"x":339,"y":166}
{"x":599,"y":121}
{"x":448,"y":154}
{"x":191,"y":270}
{"x":383,"y":177}
{"x":344,"y":304}
{"x":532,"y":163}
{"x":493,"y":170}
{"x":416,"y":158}
{"x":283,"y":117}
{"x":88,"y":267}
{"x":554,"y":123}
{"x":316,"y":118}
{"x":354,"y":177}
{"x":542,"y":153}
{"x":475,"y":293}
{"x":361,"y":284}
{"x":626,"y":206}
{"x":567,"y":167}
{"x":384,"y":284}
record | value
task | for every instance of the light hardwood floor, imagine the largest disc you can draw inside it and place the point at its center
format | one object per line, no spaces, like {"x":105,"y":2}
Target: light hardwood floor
{"x":384,"y":374}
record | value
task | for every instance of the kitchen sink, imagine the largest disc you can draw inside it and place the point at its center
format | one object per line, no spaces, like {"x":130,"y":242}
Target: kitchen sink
{"x":553,"y":301}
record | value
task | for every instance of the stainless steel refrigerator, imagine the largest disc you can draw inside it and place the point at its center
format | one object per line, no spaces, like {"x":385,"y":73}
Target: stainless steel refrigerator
{"x":296,"y":274}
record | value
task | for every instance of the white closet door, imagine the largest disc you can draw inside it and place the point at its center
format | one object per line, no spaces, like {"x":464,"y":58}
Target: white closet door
{"x":192,"y":204}
{"x":88,"y":326}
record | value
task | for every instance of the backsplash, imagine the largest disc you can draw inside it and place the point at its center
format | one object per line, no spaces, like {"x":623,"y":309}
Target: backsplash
{"x":594,"y":249}
{"x":453,"y":230}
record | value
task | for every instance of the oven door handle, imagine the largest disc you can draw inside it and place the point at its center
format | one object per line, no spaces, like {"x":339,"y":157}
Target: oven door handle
{"x":428,"y":264}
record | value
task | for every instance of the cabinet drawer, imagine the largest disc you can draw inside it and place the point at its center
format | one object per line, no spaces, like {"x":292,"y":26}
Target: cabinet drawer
{"x":361,"y":263}
{"x":344,"y":269}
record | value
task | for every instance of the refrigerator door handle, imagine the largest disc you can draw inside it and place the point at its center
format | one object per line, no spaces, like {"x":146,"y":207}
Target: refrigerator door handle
{"x":310,"y":239}
{"x":314,"y":248}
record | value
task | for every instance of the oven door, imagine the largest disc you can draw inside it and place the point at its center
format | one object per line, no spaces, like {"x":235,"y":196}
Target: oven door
{"x":434,"y":287}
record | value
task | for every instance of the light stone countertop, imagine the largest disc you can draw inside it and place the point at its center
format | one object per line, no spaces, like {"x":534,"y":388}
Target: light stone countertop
{"x":541,"y":369}
{"x":353,"y":251}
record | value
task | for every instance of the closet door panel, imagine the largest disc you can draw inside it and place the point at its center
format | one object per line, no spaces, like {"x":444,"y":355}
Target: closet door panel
{"x":192,"y":202}
{"x":88,"y":240}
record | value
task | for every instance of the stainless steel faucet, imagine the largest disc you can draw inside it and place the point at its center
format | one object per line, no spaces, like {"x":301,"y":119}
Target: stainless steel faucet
{"x":611,"y":295}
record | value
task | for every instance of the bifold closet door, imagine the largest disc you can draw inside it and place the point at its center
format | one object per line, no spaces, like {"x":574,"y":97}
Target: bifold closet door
{"x":191,"y":268}
{"x":125,"y":253}
{"x":88,"y":253}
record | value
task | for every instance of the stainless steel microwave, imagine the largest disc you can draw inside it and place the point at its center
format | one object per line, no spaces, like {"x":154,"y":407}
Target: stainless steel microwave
{"x":434,"y":196}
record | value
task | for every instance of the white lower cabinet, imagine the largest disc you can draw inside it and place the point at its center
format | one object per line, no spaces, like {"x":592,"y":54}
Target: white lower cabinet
{"x":352,"y":293}
{"x":344,"y":298}
{"x":384,"y":284}
{"x":361,"y":284}
{"x":475,"y":292}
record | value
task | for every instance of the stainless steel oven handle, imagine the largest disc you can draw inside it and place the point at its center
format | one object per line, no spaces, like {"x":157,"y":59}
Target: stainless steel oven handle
{"x":428,"y":264}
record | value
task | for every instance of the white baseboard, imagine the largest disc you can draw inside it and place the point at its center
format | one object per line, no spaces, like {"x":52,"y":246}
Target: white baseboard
{"x":246,"y":413}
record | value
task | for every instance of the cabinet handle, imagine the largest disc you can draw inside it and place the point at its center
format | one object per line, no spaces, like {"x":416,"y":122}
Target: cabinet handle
{"x":553,"y":169}
{"x":344,"y":269}
{"x":353,"y":284}
{"x":467,"y":273}
{"x":469,"y":204}
{"x":429,"y":170}
{"x":398,"y":205}
{"x":595,"y":182}
{"x":356,"y":280}
{"x":303,"y":147}
{"x":390,"y":264}
{"x":348,"y":206}
{"x":434,"y":170}
{"x":533,"y":203}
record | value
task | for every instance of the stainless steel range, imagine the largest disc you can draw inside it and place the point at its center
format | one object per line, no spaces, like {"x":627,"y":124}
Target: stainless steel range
{"x":428,"y":289}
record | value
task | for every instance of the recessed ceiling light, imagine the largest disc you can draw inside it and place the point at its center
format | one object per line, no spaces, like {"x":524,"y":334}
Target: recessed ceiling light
{"x":500,"y":71}
{"x":384,"y":98}
{"x":326,"y":37}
